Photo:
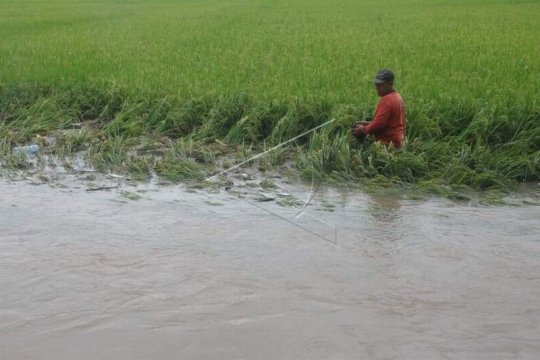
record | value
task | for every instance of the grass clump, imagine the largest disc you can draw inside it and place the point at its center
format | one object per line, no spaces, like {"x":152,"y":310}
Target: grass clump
{"x":177,"y":165}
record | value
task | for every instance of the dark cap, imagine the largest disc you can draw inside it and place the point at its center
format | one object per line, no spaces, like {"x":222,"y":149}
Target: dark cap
{"x":383,"y":76}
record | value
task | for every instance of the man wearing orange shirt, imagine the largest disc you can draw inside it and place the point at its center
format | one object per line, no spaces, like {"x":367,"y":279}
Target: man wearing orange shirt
{"x":388,"y":125}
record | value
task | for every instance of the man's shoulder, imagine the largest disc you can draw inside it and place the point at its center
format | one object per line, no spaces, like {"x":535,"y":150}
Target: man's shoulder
{"x":392,"y":98}
{"x":395,"y":95}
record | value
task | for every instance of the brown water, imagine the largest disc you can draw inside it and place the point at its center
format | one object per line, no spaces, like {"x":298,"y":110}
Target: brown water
{"x":181,"y":275}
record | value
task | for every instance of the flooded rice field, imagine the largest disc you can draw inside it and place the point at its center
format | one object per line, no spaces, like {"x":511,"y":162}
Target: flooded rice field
{"x":164,"y":272}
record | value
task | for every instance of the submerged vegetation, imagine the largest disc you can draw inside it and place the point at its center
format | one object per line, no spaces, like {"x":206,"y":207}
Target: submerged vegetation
{"x":185,"y":89}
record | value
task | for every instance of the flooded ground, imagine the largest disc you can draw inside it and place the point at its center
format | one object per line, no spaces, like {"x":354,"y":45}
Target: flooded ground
{"x":148,"y":272}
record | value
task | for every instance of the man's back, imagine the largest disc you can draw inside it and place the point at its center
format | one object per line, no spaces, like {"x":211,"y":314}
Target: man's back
{"x":388,"y":125}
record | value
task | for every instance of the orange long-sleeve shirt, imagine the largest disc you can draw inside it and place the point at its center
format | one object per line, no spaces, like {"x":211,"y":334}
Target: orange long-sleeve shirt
{"x":388,"y":125}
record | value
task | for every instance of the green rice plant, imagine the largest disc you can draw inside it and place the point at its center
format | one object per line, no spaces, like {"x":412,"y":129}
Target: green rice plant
{"x":177,"y":118}
{"x":11,"y":160}
{"x":109,"y":155}
{"x":520,"y":168}
{"x":127,"y":122}
{"x":40,"y":117}
{"x":301,"y":49}
{"x":140,"y":168}
{"x":279,"y":157}
{"x":202,"y":153}
{"x":177,"y":166}
{"x":392,"y":163}
{"x":258,"y":123}
{"x":300,"y":118}
{"x":226,"y":112}
{"x":326,"y":154}
{"x":422,"y":124}
{"x":71,"y":142}
{"x":16,"y":161}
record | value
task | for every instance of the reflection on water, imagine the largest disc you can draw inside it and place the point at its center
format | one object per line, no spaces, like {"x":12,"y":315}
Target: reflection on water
{"x":386,"y":215}
{"x":207,"y":276}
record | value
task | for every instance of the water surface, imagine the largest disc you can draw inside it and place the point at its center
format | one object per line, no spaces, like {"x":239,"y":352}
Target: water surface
{"x":183,"y":275}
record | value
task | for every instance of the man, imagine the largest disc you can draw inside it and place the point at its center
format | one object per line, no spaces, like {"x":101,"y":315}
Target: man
{"x":388,"y":125}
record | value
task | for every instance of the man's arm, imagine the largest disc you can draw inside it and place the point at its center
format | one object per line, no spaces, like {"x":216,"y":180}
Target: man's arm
{"x":380,"y":121}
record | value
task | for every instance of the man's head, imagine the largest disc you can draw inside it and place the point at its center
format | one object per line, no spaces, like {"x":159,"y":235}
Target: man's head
{"x":384,"y":82}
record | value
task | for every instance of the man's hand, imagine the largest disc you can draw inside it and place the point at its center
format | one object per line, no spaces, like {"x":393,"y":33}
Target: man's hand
{"x":363,"y":122}
{"x":358,"y":130}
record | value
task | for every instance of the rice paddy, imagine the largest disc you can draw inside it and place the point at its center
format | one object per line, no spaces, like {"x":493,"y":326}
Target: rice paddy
{"x":186,"y":88}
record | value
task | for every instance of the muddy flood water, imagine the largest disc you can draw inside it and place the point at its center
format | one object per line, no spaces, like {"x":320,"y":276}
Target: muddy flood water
{"x":173,"y":273}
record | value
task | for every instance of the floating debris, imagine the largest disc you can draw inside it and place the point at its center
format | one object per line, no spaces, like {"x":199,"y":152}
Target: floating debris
{"x":28,"y":150}
{"x":130,"y":195}
{"x":102,"y":188}
{"x":262,"y":197}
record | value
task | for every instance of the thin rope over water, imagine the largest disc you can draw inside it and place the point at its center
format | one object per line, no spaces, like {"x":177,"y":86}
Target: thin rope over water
{"x":290,"y":221}
{"x":267,"y":151}
{"x":302,"y":211}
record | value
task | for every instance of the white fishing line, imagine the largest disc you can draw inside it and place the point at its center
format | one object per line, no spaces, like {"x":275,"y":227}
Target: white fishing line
{"x":301,"y":213}
{"x":267,"y":151}
{"x":309,"y":198}
{"x":291,"y":221}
